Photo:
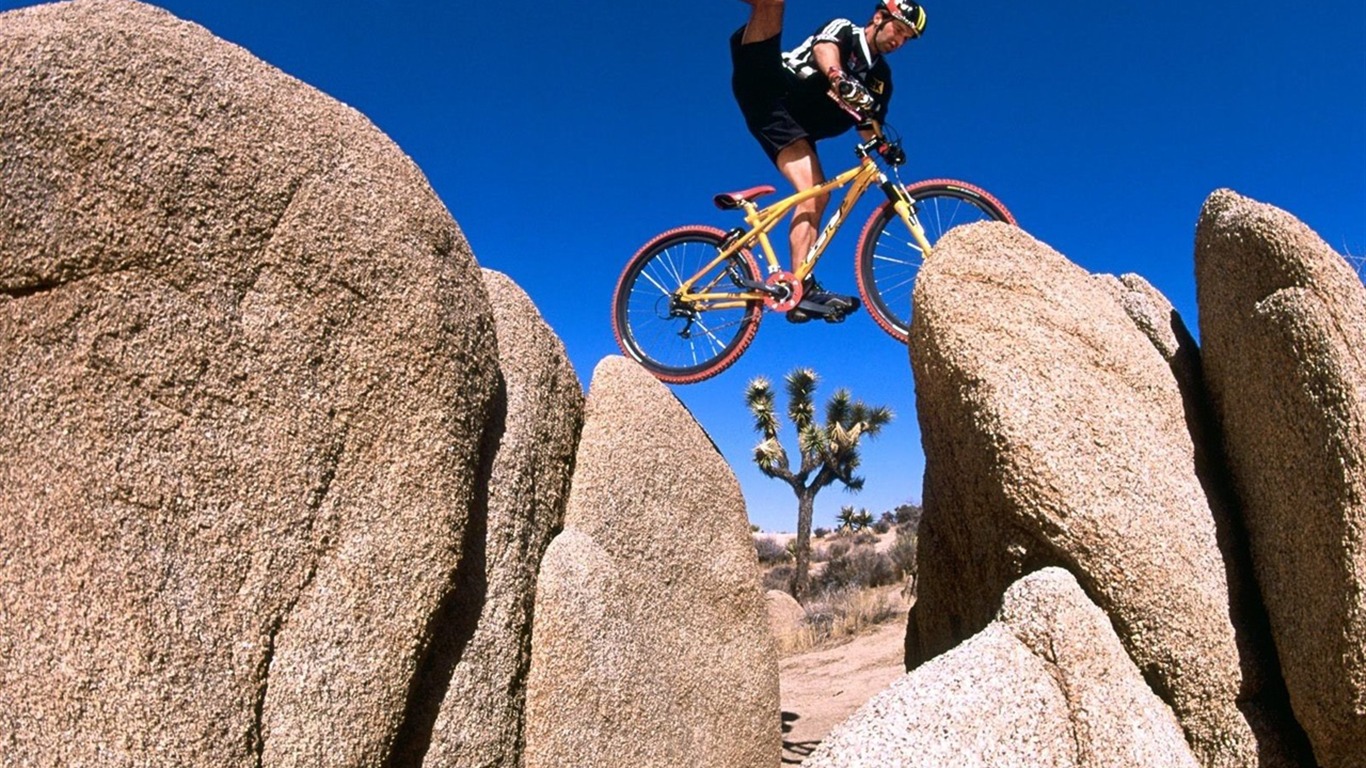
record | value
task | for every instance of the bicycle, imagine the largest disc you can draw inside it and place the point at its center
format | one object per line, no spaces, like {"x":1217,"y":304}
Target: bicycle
{"x":690,"y":300}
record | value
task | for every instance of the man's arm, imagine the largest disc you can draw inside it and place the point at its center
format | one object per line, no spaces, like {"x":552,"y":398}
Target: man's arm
{"x":827,"y":56}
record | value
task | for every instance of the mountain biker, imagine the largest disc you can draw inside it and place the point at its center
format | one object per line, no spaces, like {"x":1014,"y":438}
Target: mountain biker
{"x":784,"y":97}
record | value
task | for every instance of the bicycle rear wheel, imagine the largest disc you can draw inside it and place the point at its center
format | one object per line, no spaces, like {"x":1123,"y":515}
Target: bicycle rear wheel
{"x":888,"y":257}
{"x":682,"y":342}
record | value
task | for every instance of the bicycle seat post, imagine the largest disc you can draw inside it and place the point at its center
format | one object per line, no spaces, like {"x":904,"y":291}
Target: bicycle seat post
{"x":751,"y":212}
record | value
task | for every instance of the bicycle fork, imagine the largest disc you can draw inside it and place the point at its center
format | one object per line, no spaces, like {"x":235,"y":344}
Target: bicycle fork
{"x":902,"y":204}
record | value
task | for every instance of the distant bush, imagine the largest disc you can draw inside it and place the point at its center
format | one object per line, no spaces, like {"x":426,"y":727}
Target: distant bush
{"x":902,"y":553}
{"x":820,"y":554}
{"x":821,"y":533}
{"x":779,"y":578}
{"x":770,"y":551}
{"x":860,"y":567}
{"x":837,"y":615}
{"x":836,"y":549}
{"x":908,"y":514}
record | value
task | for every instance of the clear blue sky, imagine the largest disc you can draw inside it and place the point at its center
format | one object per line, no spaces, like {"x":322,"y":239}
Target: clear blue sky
{"x":1102,"y":126}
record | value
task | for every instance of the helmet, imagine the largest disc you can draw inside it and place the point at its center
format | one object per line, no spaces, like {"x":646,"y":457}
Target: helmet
{"x":907,"y":12}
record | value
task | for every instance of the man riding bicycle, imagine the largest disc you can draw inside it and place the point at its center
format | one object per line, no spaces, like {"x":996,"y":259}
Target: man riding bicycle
{"x":785,"y":99}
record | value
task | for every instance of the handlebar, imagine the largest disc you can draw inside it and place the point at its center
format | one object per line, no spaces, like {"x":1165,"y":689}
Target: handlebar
{"x":889,"y":149}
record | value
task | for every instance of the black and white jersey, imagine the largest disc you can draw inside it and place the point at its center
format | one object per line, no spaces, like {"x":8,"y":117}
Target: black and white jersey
{"x":807,"y":98}
{"x":856,"y":59}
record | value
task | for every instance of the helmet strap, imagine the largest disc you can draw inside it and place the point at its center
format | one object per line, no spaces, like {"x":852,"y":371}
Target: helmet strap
{"x":886,"y":19}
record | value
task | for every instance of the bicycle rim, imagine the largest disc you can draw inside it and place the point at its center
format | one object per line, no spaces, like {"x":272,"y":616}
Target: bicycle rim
{"x":888,"y":257}
{"x":684,"y":343}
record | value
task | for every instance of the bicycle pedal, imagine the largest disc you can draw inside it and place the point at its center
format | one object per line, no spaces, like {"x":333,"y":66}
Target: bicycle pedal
{"x":833,"y":307}
{"x":823,"y":305}
{"x":838,"y":317}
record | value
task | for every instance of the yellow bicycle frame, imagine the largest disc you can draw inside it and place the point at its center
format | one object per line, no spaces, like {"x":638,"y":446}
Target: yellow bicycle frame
{"x":762,"y":220}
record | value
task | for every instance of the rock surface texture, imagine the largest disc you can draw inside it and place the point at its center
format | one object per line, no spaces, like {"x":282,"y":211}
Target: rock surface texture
{"x":280,"y":469}
{"x":651,"y":644}
{"x":248,"y":405}
{"x":480,"y":721}
{"x":1283,"y":321}
{"x":1056,"y":433}
{"x":1047,"y":684}
{"x":785,"y":618}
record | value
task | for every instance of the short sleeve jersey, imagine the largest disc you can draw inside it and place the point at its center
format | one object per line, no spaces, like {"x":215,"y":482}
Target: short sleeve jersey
{"x":808,"y":101}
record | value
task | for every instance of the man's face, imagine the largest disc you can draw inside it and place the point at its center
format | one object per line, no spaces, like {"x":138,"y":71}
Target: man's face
{"x":890,"y":34}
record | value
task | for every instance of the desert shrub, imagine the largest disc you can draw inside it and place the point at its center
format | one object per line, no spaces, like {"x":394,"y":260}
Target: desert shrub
{"x":884,"y":523}
{"x":770,"y":551}
{"x":859,"y":567}
{"x":854,"y":609}
{"x":821,"y":533}
{"x":836,"y":549}
{"x":902,"y":553}
{"x":840,"y":614}
{"x":820,"y":617}
{"x":864,"y":538}
{"x":820,"y":554}
{"x":779,"y":578}
{"x":908,"y":514}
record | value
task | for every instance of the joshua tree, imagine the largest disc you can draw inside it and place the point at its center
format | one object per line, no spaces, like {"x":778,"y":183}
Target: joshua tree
{"x":829,"y":451}
{"x":854,"y":521}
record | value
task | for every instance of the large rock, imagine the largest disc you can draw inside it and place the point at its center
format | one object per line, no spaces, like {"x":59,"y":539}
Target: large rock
{"x":1045,"y":684}
{"x":786,"y":619}
{"x":247,"y":368}
{"x":1055,"y":433}
{"x":1155,"y":317}
{"x":481,"y":714}
{"x":1283,"y":321}
{"x":651,"y":645}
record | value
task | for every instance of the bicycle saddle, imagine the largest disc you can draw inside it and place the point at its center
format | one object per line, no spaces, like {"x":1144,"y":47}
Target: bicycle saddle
{"x":731,"y":200}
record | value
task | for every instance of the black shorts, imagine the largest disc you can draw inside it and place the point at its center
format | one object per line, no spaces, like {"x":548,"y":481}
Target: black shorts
{"x":761,"y":85}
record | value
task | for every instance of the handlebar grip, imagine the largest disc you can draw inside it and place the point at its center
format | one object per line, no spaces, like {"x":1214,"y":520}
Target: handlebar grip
{"x":854,"y":113}
{"x":854,"y":94}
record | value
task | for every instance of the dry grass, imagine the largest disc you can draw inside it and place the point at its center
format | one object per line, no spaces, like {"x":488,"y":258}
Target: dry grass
{"x":838,"y":616}
{"x":859,"y":582}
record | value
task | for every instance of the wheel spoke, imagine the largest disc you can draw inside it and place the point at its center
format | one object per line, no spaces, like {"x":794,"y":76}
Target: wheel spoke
{"x":656,"y":283}
{"x":684,"y":341}
{"x":889,"y":263}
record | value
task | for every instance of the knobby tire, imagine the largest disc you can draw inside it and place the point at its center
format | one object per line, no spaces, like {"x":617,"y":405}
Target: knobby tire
{"x":678,"y":344}
{"x":888,"y":259}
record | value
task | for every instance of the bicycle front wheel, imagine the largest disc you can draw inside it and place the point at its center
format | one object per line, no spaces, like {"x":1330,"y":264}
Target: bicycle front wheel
{"x":888,"y":257}
{"x":682,"y":341}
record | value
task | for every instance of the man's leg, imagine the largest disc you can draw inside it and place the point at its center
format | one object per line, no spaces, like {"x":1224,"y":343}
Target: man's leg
{"x":800,"y":165}
{"x":765,"y":21}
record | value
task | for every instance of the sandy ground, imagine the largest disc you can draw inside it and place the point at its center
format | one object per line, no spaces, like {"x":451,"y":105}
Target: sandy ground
{"x":821,"y":689}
